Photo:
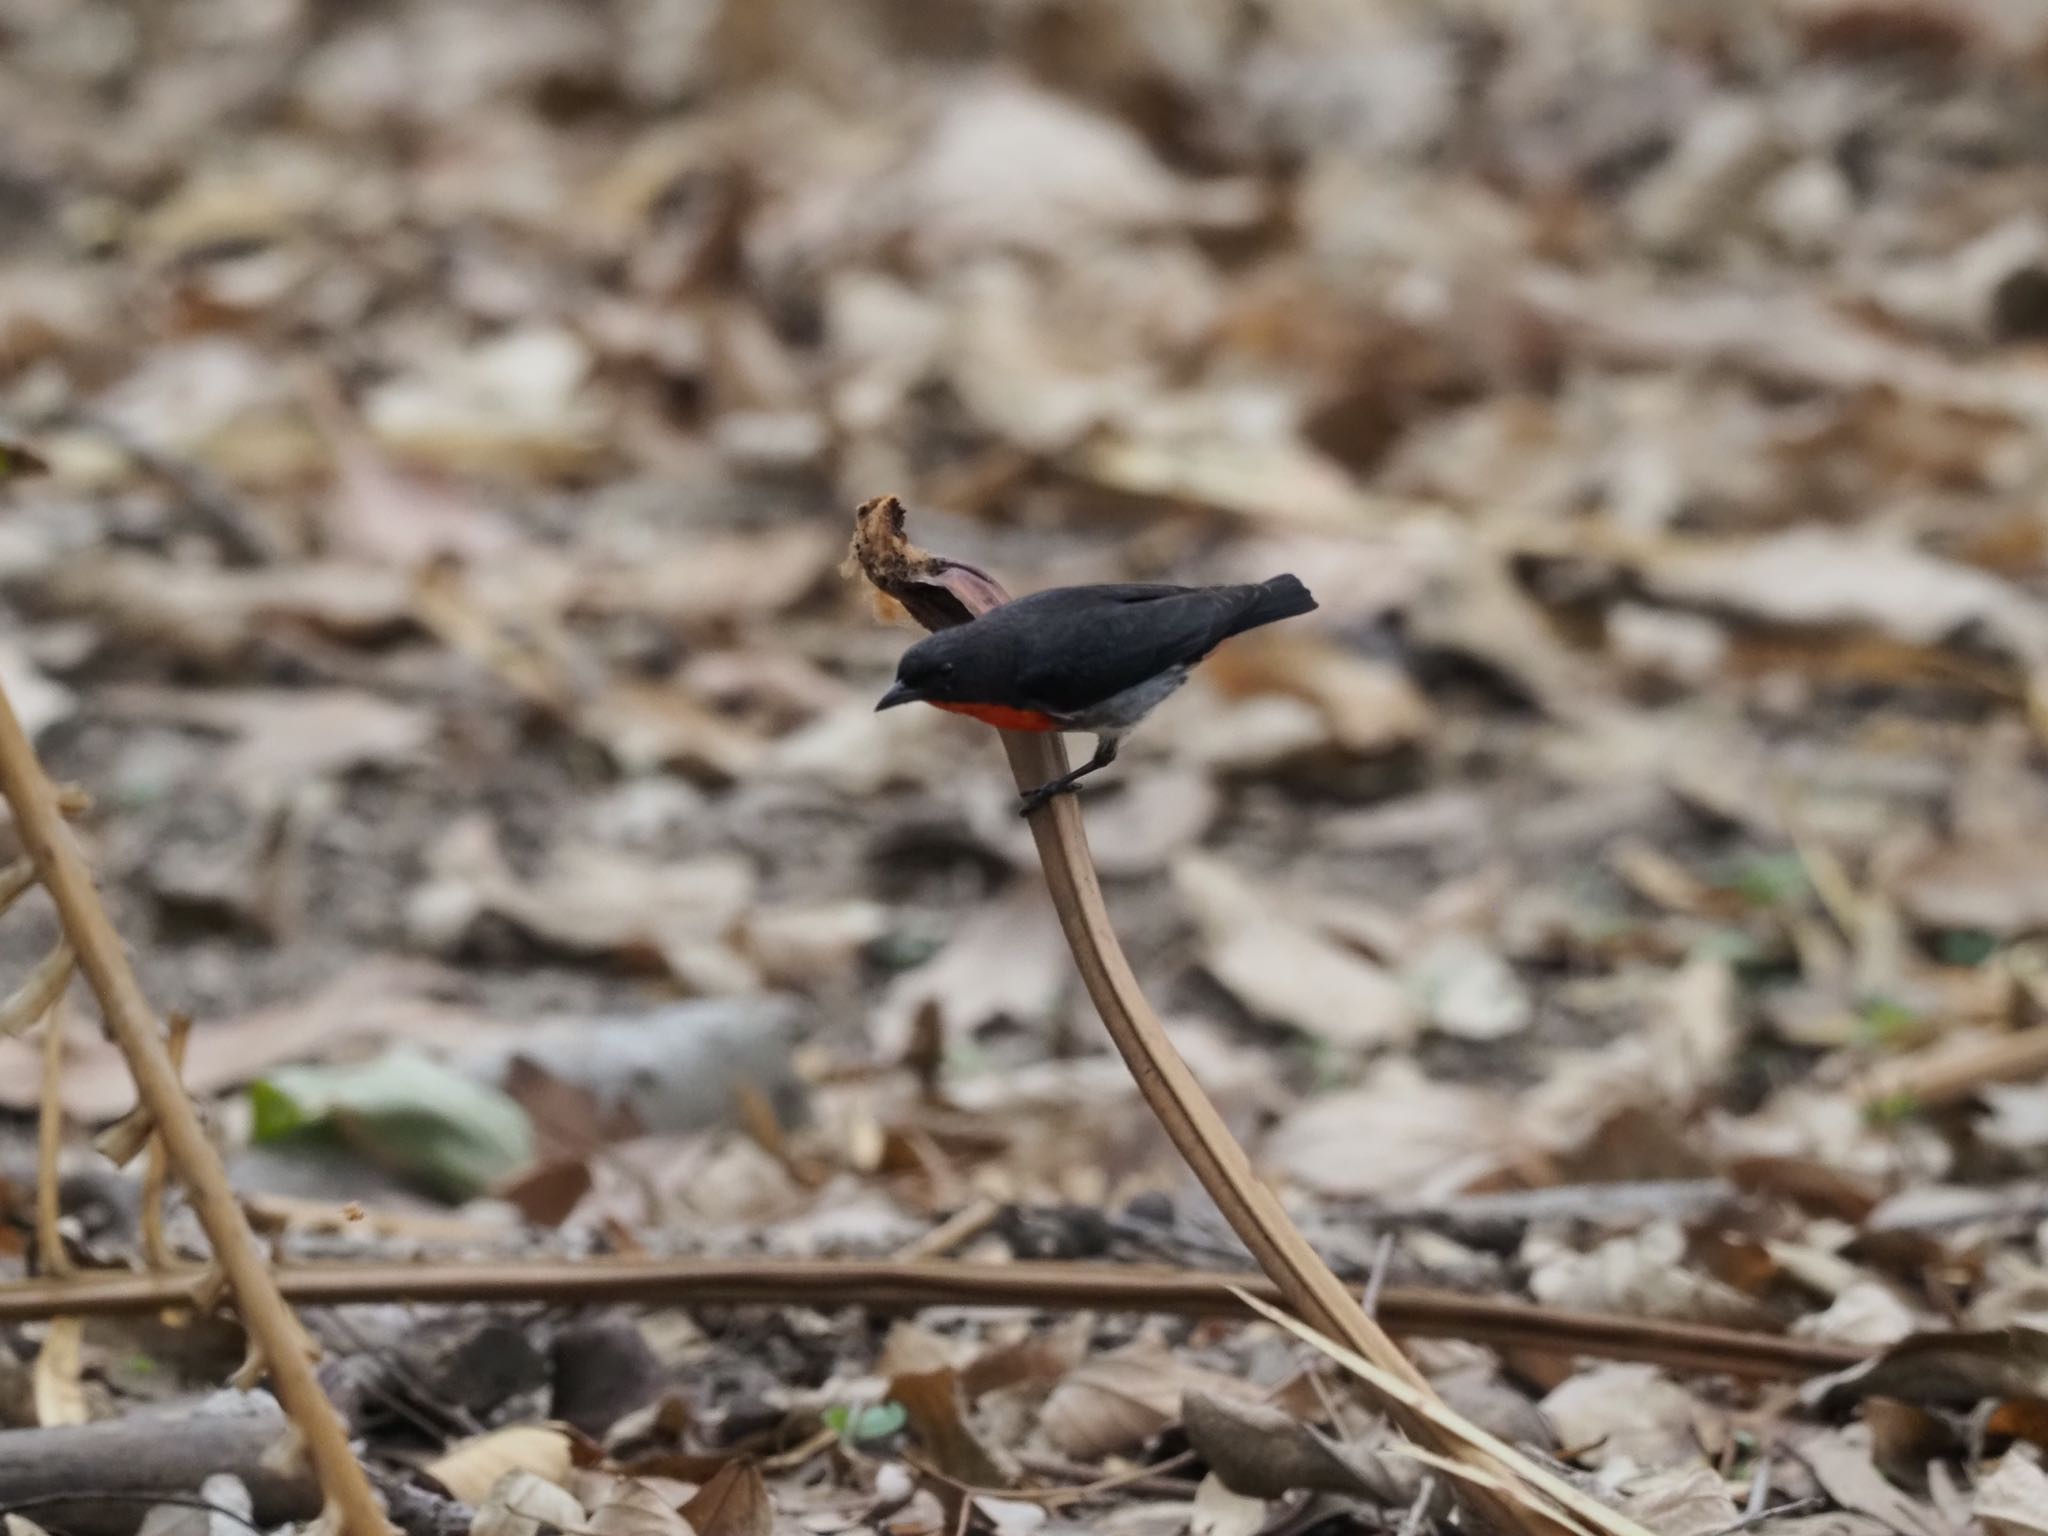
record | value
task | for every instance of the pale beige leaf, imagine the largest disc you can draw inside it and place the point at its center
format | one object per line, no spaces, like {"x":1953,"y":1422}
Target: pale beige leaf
{"x":1631,"y":1418}
{"x":59,"y":1392}
{"x":522,"y":1503}
{"x":1284,"y":969}
{"x":2013,"y":1499}
{"x":1396,"y":1134}
{"x":1006,"y":962}
{"x":1219,"y":1512}
{"x":471,"y":1468}
{"x":634,"y":1507}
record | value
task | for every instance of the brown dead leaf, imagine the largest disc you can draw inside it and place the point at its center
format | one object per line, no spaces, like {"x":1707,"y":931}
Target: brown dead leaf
{"x":1957,"y":1369}
{"x":734,"y":1502}
{"x":1263,"y":1453}
{"x":1282,"y":968}
{"x":59,"y":1389}
{"x":470,"y":1468}
{"x":938,"y":1423}
{"x":18,"y":461}
{"x":1111,"y":1405}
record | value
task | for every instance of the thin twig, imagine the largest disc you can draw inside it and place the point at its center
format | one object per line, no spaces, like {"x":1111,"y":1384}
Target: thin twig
{"x":940,"y":592}
{"x":963,"y":1226}
{"x":51,"y":1258}
{"x":156,"y":1248}
{"x":134,"y":1027}
{"x":894,"y":1285}
{"x":1806,"y":1506}
{"x":1382,"y":1256}
{"x":88,"y":1495}
{"x":1411,"y":1523}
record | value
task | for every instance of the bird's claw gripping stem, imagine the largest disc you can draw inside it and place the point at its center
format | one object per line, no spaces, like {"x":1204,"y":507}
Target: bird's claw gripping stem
{"x":1105,"y":754}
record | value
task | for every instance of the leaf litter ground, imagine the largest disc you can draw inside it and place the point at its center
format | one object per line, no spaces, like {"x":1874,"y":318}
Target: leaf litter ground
{"x":427,"y":437}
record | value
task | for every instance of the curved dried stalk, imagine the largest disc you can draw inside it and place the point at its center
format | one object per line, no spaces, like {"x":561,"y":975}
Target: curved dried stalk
{"x":940,"y":592}
{"x":38,"y":819}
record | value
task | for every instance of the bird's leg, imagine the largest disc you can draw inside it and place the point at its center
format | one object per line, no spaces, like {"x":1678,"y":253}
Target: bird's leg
{"x":1105,"y":754}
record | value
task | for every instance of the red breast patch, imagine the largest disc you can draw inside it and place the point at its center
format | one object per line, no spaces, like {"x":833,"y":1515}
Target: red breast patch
{"x":1003,"y":717}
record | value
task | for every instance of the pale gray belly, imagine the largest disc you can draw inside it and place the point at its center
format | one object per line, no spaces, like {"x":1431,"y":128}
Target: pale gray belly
{"x":1120,"y":711}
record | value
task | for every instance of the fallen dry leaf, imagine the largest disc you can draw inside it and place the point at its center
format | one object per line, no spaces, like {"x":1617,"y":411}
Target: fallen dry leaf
{"x":59,"y":1391}
{"x":1263,"y":1453}
{"x":1111,"y":1405}
{"x":2013,"y":1499}
{"x":470,"y":1468}
{"x":1642,"y":1274}
{"x":632,"y":1506}
{"x":522,"y":1503}
{"x":1631,"y":1418}
{"x":1283,"y":969}
{"x":734,"y":1502}
{"x":1396,"y":1135}
{"x":593,"y":901}
{"x":280,"y":738}
{"x":1217,"y":1511}
{"x":1841,"y":1463}
{"x":1958,"y":1369}
{"x":1007,"y":962}
{"x":937,"y":1421}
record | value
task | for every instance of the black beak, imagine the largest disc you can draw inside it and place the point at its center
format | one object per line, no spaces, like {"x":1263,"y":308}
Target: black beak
{"x":899,"y":693}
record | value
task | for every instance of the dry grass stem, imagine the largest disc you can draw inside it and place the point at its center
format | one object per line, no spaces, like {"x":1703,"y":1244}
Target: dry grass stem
{"x":39,"y":821}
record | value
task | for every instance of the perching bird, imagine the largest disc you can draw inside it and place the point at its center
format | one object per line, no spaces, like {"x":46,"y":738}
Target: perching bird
{"x":1083,"y":658}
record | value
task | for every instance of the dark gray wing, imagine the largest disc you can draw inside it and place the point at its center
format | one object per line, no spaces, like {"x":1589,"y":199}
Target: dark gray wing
{"x":1091,"y":643}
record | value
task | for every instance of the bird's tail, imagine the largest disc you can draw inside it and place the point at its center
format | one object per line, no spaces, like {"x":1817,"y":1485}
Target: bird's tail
{"x":1283,"y":597}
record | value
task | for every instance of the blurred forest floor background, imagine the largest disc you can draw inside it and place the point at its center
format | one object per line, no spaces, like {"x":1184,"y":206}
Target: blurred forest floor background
{"x":453,"y":414}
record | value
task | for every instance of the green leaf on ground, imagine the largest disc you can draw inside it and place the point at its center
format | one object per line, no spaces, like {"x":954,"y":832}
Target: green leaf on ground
{"x":404,"y":1112}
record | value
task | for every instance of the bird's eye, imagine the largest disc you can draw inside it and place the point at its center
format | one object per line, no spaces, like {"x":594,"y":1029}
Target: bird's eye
{"x":945,"y":666}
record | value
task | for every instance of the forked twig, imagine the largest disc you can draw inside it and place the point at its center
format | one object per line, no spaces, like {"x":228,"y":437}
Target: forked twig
{"x":938,"y":592}
{"x":269,"y":1321}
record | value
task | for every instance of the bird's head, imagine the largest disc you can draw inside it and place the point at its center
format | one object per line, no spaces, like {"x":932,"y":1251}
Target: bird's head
{"x":928,"y":673}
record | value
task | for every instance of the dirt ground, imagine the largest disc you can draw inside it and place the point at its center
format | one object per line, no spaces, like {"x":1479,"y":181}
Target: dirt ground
{"x":430,"y":433}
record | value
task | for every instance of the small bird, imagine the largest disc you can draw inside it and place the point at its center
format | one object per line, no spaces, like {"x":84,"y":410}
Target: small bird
{"x":1094,"y":658}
